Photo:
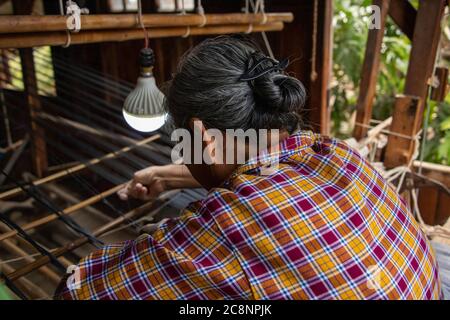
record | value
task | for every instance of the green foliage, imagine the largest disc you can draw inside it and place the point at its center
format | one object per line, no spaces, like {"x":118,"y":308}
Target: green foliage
{"x":4,"y":294}
{"x":351,"y":22}
{"x":437,"y":148}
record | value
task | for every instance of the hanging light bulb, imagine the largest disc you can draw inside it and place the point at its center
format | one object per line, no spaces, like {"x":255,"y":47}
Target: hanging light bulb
{"x":143,"y":108}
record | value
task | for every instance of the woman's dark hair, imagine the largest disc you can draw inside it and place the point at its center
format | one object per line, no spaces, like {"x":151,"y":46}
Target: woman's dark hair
{"x":207,"y":86}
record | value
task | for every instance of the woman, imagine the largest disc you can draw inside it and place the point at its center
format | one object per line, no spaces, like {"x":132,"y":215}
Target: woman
{"x":321,"y":224}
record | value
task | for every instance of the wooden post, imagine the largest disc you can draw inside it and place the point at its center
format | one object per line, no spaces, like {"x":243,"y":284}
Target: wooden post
{"x":369,"y":72}
{"x":426,"y":37}
{"x":38,"y":145}
{"x":404,"y":119}
{"x":320,"y":84}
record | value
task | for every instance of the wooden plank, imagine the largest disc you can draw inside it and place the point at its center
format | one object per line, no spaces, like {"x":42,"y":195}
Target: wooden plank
{"x":369,"y":73}
{"x":404,"y":15}
{"x":320,"y":86}
{"x":404,"y":119}
{"x":426,"y":37}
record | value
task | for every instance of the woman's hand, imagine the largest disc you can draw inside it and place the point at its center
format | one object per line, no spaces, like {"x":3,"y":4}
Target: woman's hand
{"x":146,"y":185}
{"x":149,"y":183}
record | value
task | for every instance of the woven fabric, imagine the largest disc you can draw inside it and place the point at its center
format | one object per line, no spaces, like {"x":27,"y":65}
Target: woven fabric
{"x":322,"y":225}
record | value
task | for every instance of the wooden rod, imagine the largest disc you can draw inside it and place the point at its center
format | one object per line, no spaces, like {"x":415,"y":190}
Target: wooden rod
{"x":79,"y":242}
{"x":32,"y":290}
{"x":46,"y":271}
{"x":25,"y":40}
{"x":63,"y":173}
{"x":67,"y":211}
{"x":13,"y":248}
{"x":45,"y":23}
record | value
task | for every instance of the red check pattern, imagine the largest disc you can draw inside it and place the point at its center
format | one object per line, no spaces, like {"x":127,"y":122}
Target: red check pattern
{"x":322,"y":225}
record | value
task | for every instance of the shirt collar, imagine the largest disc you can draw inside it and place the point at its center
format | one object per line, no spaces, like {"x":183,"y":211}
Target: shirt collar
{"x":293,"y":144}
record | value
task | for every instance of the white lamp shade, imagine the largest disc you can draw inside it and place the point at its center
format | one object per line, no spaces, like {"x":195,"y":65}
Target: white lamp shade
{"x":143,"y":108}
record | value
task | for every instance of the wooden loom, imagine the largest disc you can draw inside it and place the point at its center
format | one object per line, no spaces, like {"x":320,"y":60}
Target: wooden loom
{"x":107,"y":151}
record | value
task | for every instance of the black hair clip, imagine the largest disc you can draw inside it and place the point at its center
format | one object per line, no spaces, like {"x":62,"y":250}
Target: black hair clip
{"x":276,"y":66}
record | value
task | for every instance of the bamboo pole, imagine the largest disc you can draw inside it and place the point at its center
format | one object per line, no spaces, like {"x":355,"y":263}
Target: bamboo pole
{"x":67,"y":211}
{"x":45,"y":23}
{"x":135,"y":213}
{"x":25,"y":40}
{"x":94,"y":161}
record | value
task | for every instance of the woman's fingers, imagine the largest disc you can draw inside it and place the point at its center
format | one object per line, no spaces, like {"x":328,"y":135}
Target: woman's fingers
{"x":123,"y":193}
{"x":145,"y":185}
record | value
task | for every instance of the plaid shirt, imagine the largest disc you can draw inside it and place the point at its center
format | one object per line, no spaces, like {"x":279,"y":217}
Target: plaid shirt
{"x":323,"y":225}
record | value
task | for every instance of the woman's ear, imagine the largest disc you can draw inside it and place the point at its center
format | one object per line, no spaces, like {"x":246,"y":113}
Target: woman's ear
{"x":196,"y":124}
{"x":208,"y":143}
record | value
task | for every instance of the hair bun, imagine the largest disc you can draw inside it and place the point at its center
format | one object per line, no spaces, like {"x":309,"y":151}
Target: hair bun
{"x":279,"y":93}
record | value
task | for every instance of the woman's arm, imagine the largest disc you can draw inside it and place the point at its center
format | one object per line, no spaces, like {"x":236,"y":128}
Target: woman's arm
{"x":149,"y":183}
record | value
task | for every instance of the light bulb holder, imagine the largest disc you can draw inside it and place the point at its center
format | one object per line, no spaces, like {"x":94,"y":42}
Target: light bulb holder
{"x":147,"y":57}
{"x":146,"y":61}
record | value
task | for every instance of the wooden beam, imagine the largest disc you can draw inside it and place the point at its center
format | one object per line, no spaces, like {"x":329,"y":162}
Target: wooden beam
{"x":26,"y":40}
{"x":47,"y":23}
{"x":369,"y":73}
{"x":404,"y":16}
{"x":427,"y":33}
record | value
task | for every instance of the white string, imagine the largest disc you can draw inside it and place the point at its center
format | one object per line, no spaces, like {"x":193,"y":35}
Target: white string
{"x":201,"y":11}
{"x":183,"y":12}
{"x":260,"y":7}
{"x":69,"y":37}
{"x":188,"y":32}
